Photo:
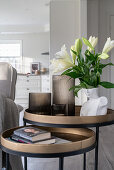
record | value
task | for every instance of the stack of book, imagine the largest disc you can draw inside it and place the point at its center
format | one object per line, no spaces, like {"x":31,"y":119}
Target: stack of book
{"x":32,"y":135}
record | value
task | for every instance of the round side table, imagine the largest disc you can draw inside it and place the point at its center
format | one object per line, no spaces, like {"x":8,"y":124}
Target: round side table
{"x":72,"y":122}
{"x":81,"y":141}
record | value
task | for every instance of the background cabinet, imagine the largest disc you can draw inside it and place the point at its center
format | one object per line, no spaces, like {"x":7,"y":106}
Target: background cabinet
{"x":45,"y":83}
{"x":30,"y":84}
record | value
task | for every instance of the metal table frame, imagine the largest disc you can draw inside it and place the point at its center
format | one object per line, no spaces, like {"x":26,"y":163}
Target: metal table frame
{"x":96,"y":125}
{"x":60,"y":155}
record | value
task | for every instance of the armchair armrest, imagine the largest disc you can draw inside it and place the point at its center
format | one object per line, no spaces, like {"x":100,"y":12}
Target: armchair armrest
{"x":20,"y":108}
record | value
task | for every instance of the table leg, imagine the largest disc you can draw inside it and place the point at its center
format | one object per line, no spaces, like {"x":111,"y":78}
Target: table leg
{"x":7,"y":161}
{"x":25,"y":163}
{"x":84,"y":162}
{"x":25,"y":158}
{"x":97,"y":148}
{"x":24,"y":123}
{"x":61,"y":163}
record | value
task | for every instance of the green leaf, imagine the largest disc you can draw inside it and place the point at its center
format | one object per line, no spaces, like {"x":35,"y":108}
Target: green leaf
{"x":76,"y":68}
{"x":97,"y":55}
{"x":104,"y":65}
{"x":76,"y":91}
{"x":87,"y":43}
{"x":72,"y":88}
{"x":106,"y":84}
{"x":73,"y":75}
{"x":85,"y":85}
{"x":74,"y":52}
{"x":81,"y":58}
{"x":67,"y":71}
{"x":100,"y":70}
{"x":88,"y":64}
{"x":89,"y":57}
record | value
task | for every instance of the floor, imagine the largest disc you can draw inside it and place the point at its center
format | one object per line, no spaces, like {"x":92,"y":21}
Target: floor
{"x":70,"y":163}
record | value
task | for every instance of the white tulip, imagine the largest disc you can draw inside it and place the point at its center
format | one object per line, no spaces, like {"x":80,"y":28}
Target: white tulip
{"x":93,"y":42}
{"x":104,"y":56}
{"x":58,"y":65}
{"x":78,"y":45}
{"x":63,"y":54}
{"x":108,"y":45}
{"x":62,"y":61}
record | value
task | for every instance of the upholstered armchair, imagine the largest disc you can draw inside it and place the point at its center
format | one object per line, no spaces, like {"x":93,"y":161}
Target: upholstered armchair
{"x":9,"y":112}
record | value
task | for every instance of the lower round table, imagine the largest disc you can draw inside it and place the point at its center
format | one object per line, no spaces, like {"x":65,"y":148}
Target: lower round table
{"x":72,"y":122}
{"x":81,"y":141}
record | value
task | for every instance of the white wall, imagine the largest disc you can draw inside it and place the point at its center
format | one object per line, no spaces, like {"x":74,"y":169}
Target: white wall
{"x":32,"y":45}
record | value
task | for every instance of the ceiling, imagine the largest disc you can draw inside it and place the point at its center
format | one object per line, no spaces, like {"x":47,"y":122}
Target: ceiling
{"x":18,"y":15}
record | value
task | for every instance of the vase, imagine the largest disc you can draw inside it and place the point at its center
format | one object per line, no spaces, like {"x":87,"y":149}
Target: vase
{"x":94,"y":105}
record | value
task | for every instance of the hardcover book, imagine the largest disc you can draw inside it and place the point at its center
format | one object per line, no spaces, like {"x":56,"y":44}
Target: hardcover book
{"x":23,"y":140}
{"x":33,"y":134}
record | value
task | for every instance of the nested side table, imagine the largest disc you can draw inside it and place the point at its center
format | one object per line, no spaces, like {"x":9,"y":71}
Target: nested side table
{"x":73,"y":122}
{"x":81,"y":141}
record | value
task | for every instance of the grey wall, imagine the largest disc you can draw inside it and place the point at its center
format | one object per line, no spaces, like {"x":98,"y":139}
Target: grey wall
{"x":99,"y":24}
{"x":68,"y":21}
{"x":64,"y":24}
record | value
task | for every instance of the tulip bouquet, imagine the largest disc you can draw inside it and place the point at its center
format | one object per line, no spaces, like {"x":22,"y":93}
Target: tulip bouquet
{"x":86,"y":67}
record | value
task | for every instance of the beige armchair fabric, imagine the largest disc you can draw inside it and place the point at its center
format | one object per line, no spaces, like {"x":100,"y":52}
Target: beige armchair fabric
{"x":9,"y":113}
{"x":8,"y":76}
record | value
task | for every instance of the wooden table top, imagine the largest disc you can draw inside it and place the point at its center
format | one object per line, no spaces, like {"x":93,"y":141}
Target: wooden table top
{"x":79,"y":139}
{"x":71,"y":120}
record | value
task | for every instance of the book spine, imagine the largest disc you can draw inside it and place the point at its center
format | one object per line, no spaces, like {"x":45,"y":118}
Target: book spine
{"x":22,"y":135}
{"x":20,"y":140}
